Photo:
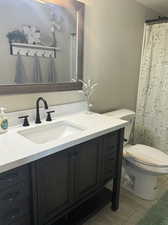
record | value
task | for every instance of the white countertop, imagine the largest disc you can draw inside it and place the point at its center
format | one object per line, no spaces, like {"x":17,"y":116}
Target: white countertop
{"x":16,"y":150}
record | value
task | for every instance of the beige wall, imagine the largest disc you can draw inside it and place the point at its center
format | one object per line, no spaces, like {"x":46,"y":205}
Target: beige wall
{"x":27,"y":101}
{"x":113,"y":39}
{"x":158,"y":5}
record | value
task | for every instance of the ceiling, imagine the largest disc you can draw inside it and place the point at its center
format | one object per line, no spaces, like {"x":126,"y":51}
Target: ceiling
{"x":160,"y":6}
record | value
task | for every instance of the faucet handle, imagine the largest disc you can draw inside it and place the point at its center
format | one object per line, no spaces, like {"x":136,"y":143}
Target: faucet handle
{"x":25,"y":122}
{"x":49,"y":115}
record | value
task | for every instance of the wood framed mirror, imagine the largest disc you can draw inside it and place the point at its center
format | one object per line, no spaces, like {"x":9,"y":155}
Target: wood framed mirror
{"x":41,"y":45}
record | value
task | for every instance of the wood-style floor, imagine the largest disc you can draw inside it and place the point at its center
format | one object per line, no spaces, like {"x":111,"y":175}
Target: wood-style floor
{"x":132,"y":208}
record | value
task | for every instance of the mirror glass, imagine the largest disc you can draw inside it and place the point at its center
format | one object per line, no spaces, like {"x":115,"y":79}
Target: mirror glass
{"x":38,"y":41}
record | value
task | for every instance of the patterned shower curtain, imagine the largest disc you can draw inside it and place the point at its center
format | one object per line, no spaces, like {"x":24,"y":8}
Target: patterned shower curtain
{"x":151,"y":126}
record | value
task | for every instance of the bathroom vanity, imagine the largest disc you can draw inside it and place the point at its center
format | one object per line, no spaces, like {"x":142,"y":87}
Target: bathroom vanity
{"x":38,"y":188}
{"x":49,"y":169}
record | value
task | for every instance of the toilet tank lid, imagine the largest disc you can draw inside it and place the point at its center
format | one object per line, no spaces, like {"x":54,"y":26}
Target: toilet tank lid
{"x":120,"y":113}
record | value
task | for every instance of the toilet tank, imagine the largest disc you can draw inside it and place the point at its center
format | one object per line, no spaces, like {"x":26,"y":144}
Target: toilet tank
{"x":124,"y":114}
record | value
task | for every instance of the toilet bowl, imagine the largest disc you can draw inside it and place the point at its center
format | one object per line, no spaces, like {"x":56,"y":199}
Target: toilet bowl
{"x":141,"y":164}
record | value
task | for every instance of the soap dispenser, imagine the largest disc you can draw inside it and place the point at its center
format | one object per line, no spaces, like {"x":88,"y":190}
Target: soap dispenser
{"x":3,"y":121}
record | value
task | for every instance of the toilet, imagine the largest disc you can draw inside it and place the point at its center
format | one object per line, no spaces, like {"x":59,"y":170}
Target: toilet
{"x":141,"y":164}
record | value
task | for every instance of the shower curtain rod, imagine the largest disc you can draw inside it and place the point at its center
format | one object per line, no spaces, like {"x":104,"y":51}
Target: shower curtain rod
{"x":160,"y":19}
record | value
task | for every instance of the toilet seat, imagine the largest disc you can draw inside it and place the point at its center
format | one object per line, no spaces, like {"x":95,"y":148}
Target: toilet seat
{"x":147,"y":158}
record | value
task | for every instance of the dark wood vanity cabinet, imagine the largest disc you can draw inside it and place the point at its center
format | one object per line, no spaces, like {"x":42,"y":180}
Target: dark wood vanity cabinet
{"x":67,"y":178}
{"x":15,"y":197}
{"x":49,"y":188}
{"x":54,"y":185}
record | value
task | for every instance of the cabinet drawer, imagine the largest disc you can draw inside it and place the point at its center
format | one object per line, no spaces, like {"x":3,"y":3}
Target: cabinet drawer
{"x":110,"y":150}
{"x":12,"y":215}
{"x":12,"y":196}
{"x":26,"y":220}
{"x":109,"y":169}
{"x":13,"y":177}
{"x":110,"y":143}
{"x":109,"y":164}
{"x":110,"y":155}
{"x":108,"y":175}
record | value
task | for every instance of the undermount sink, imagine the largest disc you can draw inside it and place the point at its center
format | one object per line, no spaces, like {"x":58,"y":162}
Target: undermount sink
{"x":50,"y":132}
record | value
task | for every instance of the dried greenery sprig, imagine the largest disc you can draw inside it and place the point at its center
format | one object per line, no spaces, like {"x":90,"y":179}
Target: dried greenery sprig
{"x":88,"y":88}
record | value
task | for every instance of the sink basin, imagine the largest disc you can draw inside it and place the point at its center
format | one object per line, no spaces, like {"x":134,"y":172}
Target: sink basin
{"x":50,"y":132}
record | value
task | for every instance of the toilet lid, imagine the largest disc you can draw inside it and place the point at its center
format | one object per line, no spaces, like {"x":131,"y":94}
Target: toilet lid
{"x":146,"y":155}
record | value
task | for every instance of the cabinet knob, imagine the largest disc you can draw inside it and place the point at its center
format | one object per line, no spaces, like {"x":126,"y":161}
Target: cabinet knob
{"x":11,"y":196}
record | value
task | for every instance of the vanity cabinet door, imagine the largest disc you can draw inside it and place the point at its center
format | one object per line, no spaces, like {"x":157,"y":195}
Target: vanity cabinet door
{"x":15,"y":197}
{"x":88,"y":168}
{"x":54,"y":176}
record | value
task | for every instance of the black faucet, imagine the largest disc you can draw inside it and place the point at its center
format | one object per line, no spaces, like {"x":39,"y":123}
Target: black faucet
{"x":38,"y":120}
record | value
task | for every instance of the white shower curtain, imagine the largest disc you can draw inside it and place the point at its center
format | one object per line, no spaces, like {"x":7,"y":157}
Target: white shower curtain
{"x":151,"y":127}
